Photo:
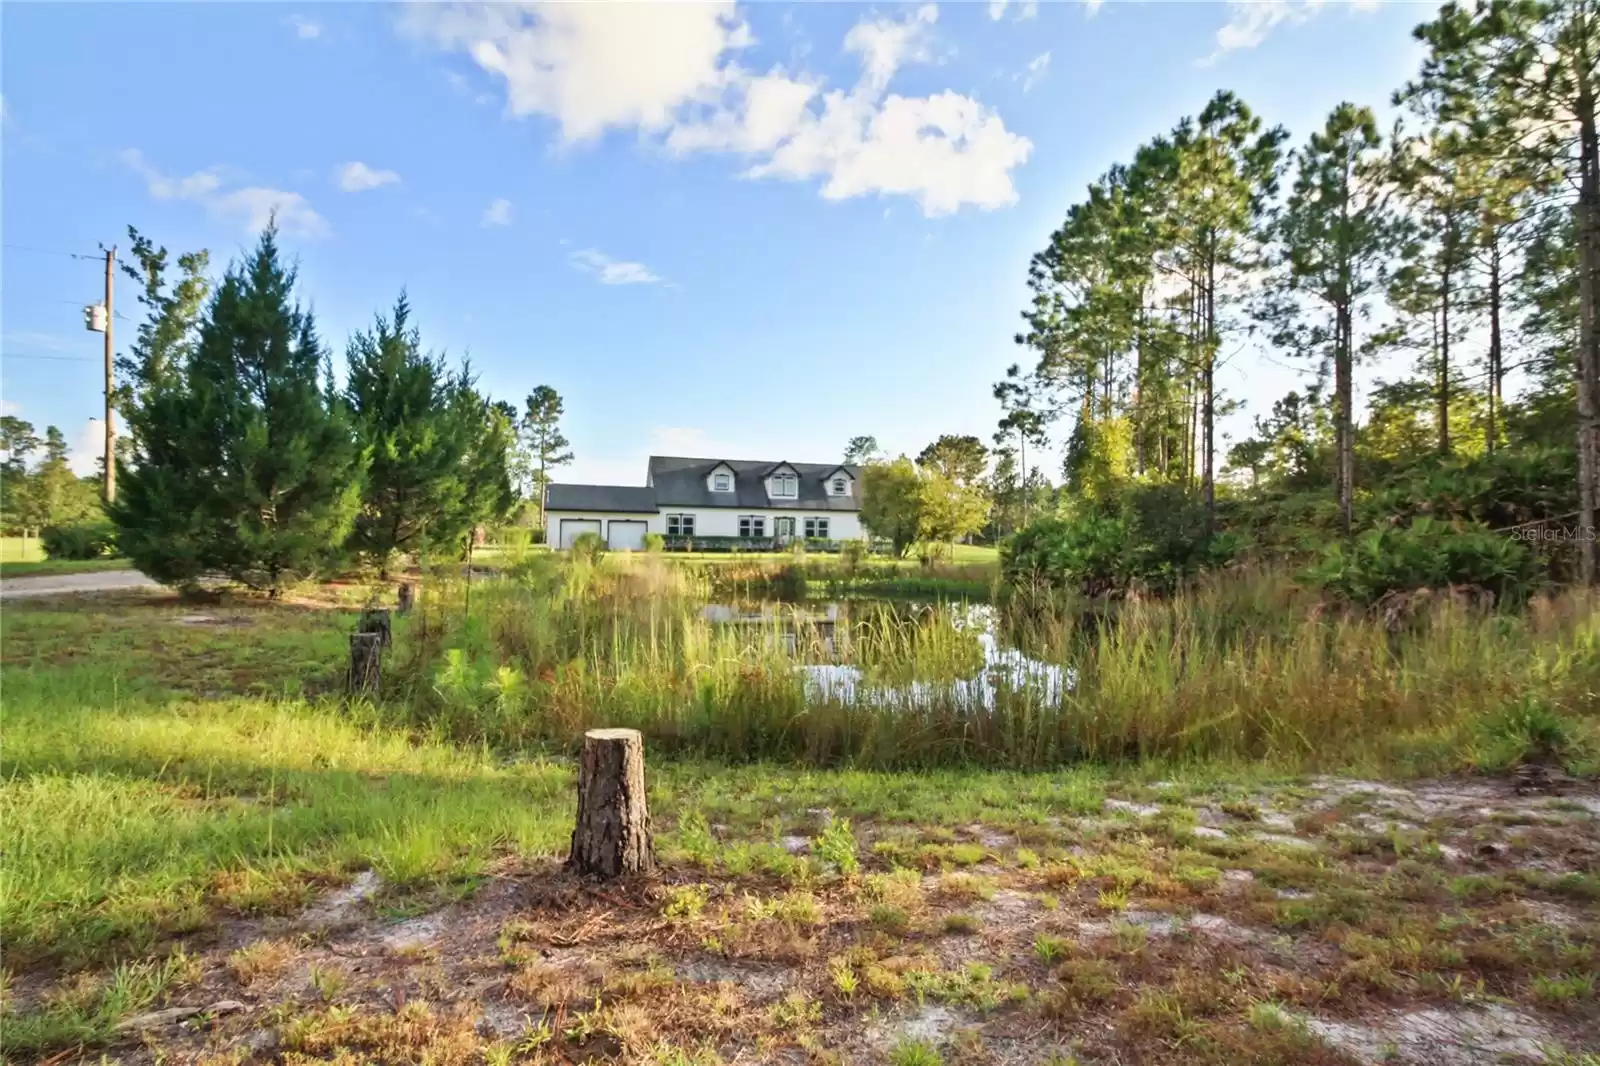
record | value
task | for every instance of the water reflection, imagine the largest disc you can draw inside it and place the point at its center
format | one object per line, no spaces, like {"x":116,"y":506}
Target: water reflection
{"x":1003,"y":667}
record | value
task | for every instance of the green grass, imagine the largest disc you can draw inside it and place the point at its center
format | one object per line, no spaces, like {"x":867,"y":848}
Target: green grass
{"x":24,"y":557}
{"x":50,"y":567}
{"x":21,"y":550}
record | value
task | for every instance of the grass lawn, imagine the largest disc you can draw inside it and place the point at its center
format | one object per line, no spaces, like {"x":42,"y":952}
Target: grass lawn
{"x":24,"y":557}
{"x":192,"y":821}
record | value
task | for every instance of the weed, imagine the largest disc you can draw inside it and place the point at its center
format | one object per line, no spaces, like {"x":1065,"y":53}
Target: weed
{"x":685,"y":903}
{"x":1563,"y":989}
{"x":1049,"y":948}
{"x":908,"y":1052}
{"x":961,"y":924}
{"x":263,"y":959}
{"x":835,"y":846}
{"x":964,"y":887}
{"x":889,"y":918}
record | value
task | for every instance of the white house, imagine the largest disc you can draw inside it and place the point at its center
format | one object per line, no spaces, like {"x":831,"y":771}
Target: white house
{"x":761,"y":504}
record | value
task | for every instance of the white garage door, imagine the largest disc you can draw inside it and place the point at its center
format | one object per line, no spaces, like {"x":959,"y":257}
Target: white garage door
{"x":573,"y":528}
{"x":625,"y":536}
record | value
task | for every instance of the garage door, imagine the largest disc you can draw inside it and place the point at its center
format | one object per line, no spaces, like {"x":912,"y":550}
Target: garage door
{"x":625,"y":536}
{"x":573,"y":528}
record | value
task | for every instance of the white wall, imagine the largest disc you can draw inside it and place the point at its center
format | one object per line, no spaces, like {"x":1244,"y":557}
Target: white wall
{"x":724,"y":521}
{"x":714,"y":521}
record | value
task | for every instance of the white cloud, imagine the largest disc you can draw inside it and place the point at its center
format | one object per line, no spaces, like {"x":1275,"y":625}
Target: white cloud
{"x":87,"y":446}
{"x":997,"y":9}
{"x":254,"y":204}
{"x":1091,"y":8}
{"x":304,"y":28}
{"x":10,"y":407}
{"x":1250,"y":22}
{"x":358,"y":177}
{"x":592,"y":67}
{"x":886,"y":44}
{"x":498,"y":213}
{"x":611,"y":271}
{"x":1034,"y":72}
{"x":670,"y":70}
{"x":1027,"y":9}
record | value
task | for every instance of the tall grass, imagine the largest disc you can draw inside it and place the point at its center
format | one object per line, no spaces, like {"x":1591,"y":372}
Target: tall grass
{"x":1244,"y":667}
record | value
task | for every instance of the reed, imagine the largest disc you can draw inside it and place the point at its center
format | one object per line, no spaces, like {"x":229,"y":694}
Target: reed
{"x":1242,"y":667}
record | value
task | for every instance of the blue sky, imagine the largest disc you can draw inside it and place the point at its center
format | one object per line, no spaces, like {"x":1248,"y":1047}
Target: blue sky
{"x":750,"y":230}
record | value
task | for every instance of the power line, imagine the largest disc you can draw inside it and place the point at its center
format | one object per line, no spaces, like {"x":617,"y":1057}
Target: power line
{"x":52,"y":251}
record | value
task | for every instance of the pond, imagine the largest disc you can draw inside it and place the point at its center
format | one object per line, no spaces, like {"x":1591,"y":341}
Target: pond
{"x":974,"y":663}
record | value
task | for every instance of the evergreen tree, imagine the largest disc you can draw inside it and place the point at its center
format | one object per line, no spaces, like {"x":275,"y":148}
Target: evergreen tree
{"x":1334,"y":235}
{"x":244,"y":464}
{"x":420,"y":425}
{"x":962,"y":459}
{"x":860,"y":450}
{"x":547,"y":447}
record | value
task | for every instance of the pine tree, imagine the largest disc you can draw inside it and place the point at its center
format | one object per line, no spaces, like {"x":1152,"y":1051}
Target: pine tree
{"x":244,"y":465}
{"x":420,"y":426}
{"x":1334,"y":235}
{"x":547,"y":447}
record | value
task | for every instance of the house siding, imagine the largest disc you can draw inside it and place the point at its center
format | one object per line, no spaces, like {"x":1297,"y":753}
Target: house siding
{"x":715,"y":521}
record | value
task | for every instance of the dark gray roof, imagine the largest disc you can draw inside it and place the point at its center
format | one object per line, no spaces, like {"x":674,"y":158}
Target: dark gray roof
{"x":622,"y":498}
{"x":681,"y":482}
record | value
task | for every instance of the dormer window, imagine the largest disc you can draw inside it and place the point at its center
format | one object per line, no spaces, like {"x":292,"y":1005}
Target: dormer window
{"x":722,"y":483}
{"x":785,"y":485}
{"x":838,"y":486}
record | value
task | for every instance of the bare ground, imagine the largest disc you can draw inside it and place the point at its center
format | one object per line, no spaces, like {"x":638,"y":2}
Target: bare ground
{"x":1340,"y":921}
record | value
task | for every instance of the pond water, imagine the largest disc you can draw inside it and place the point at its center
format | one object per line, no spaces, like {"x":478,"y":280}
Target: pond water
{"x":810,"y":631}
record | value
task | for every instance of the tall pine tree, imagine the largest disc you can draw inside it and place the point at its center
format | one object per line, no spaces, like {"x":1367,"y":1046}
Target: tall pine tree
{"x":244,"y":465}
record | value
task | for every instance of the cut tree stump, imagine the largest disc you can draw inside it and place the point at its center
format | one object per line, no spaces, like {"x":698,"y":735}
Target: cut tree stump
{"x":612,"y":837}
{"x":377,"y":620}
{"x":407,"y":596}
{"x":366,"y":664}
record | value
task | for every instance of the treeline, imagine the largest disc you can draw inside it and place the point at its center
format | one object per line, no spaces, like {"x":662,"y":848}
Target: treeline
{"x":1465,"y":239}
{"x":248,"y":457}
{"x":37,"y":493}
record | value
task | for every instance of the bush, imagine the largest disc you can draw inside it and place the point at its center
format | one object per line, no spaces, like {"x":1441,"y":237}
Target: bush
{"x":85,"y":540}
{"x":1153,"y":534}
{"x":851,"y":553}
{"x":790,"y":583}
{"x":1425,"y":554}
{"x":655,"y":542}
{"x":588,"y":546}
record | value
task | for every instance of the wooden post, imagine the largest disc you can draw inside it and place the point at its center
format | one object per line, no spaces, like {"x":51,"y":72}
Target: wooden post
{"x":366,"y":664}
{"x":407,"y":596}
{"x":612,"y":836}
{"x":377,"y":620}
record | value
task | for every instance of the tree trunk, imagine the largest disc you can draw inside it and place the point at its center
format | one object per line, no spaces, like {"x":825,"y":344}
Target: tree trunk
{"x":612,"y":836}
{"x":1588,"y":361}
{"x":1344,"y":421}
{"x":1444,"y":357}
{"x":407,"y":596}
{"x":366,"y":664}
{"x":1208,"y":460}
{"x":1495,"y":357}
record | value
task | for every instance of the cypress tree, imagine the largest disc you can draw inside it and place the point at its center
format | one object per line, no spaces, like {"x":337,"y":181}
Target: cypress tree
{"x":244,"y":465}
{"x":436,"y":468}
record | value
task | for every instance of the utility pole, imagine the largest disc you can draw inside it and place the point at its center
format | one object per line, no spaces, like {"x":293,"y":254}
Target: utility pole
{"x":110,"y":483}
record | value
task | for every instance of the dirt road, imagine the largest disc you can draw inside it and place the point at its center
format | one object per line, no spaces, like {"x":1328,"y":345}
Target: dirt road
{"x":64,"y":584}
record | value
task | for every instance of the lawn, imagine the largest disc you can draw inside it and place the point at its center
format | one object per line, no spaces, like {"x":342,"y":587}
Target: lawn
{"x":24,"y":557}
{"x":194,"y":823}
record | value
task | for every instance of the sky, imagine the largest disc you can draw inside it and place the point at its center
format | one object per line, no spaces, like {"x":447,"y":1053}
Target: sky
{"x":746,"y":231}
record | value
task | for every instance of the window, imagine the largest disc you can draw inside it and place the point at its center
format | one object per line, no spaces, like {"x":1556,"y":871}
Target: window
{"x":722,"y":483}
{"x":816,"y":529}
{"x":784,"y":485}
{"x":752,"y":525}
{"x":680,"y":525}
{"x":838,"y":486}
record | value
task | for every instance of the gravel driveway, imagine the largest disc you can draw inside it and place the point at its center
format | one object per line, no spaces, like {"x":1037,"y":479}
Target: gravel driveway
{"x":61,"y":584}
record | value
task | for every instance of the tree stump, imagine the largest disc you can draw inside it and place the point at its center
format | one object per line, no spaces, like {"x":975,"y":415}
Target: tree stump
{"x":407,"y":596}
{"x":377,"y":620}
{"x":612,"y":836}
{"x":366,"y":664}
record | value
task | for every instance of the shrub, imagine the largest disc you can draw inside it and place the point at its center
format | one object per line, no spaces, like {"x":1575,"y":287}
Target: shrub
{"x":655,"y":542}
{"x":1425,"y":554}
{"x":588,"y":546}
{"x":851,"y":553}
{"x":84,"y":540}
{"x":790,"y":583}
